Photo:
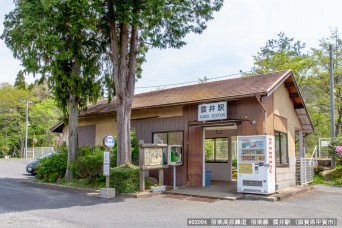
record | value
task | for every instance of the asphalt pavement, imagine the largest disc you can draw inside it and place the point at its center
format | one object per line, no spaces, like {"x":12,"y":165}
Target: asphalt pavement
{"x":22,"y":205}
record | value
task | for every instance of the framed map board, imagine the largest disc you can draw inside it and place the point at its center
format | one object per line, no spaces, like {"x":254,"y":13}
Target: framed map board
{"x":153,"y":156}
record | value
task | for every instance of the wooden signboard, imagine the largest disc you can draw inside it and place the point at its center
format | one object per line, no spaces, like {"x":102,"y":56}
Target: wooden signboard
{"x":153,"y":156}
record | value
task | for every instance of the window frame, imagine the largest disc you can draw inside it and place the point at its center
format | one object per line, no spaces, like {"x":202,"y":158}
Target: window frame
{"x":216,"y":161}
{"x":281,"y":163}
{"x":167,"y":136}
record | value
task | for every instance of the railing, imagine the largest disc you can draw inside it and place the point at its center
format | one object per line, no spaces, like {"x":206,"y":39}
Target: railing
{"x":38,"y":151}
{"x":313,"y":159}
{"x":307,"y":167}
{"x":306,"y":170}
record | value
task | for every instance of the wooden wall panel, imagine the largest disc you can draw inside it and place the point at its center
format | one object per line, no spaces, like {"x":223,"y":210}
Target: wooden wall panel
{"x":248,"y":110}
{"x":191,"y":172}
{"x":145,"y":128}
{"x":195,"y":156}
{"x":194,"y":139}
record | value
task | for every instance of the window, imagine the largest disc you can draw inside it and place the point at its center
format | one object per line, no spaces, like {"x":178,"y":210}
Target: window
{"x":86,"y":135}
{"x":216,"y":150}
{"x":170,"y":138}
{"x":281,"y":151}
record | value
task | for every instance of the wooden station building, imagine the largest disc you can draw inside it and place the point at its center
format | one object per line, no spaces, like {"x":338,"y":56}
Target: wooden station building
{"x":256,"y":105}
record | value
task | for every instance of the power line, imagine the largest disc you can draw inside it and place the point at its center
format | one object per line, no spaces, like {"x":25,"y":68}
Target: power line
{"x":182,"y":83}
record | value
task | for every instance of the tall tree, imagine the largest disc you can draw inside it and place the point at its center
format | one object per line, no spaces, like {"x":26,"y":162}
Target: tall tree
{"x":20,"y":80}
{"x":135,"y":26}
{"x":320,"y":81}
{"x":43,"y":115}
{"x":64,"y":46}
{"x":12,"y":117}
{"x":284,"y":53}
{"x":312,"y":72}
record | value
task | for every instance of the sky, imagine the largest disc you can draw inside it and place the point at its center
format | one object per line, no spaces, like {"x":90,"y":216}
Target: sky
{"x":227,"y":45}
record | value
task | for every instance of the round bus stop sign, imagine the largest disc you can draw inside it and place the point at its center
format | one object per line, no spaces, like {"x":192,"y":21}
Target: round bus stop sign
{"x":109,"y":141}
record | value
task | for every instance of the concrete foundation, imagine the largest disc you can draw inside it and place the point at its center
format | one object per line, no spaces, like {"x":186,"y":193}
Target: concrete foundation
{"x":107,"y":193}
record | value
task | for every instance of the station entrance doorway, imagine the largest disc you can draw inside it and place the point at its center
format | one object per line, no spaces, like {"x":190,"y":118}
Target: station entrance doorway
{"x":219,"y":160}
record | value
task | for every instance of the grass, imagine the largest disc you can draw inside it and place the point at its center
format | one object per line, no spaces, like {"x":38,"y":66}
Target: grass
{"x":318,"y":180}
{"x":333,"y":178}
{"x":81,"y":184}
{"x":76,"y":183}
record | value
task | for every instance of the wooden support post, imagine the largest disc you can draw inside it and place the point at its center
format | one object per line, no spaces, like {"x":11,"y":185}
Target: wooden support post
{"x":142,"y":180}
{"x":141,"y":162}
{"x":161,"y":176}
{"x":301,"y":144}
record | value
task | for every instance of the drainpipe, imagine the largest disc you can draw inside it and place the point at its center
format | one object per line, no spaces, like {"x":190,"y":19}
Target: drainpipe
{"x":258,"y":97}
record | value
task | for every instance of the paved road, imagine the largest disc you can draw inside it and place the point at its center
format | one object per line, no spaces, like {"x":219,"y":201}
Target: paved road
{"x":25,"y":206}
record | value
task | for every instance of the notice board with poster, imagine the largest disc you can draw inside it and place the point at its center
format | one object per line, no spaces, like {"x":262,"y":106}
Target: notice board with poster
{"x":151,"y":156}
{"x":256,"y":164}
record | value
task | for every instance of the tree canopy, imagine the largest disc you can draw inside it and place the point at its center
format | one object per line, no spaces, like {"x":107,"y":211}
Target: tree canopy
{"x":311,"y":70}
{"x":319,"y":82}
{"x":64,"y":46}
{"x":42,"y":115}
{"x":135,"y":26}
{"x":70,"y":43}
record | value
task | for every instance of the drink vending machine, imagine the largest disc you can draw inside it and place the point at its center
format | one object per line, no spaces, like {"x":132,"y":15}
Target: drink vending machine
{"x":256,"y":164}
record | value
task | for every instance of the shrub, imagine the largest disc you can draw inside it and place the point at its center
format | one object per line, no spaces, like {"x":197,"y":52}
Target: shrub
{"x":53,"y":168}
{"x":335,"y":149}
{"x":88,"y":164}
{"x":125,"y":178}
{"x":150,"y":181}
{"x":234,"y":162}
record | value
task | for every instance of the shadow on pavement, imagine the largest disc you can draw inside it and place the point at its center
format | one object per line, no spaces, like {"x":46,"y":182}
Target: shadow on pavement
{"x":16,"y":196}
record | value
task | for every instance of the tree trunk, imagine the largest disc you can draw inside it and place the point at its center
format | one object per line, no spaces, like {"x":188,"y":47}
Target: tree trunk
{"x":73,"y":133}
{"x":124,"y":53}
{"x":123,"y":133}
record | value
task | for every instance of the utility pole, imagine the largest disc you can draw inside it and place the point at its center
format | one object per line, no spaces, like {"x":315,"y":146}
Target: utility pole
{"x":332,"y":103}
{"x":26,"y":132}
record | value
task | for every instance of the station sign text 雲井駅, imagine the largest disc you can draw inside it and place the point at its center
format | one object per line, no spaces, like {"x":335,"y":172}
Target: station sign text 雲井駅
{"x":212,"y":111}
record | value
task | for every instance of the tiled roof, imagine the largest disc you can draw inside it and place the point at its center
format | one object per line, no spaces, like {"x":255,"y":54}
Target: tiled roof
{"x":209,"y":91}
{"x":101,"y":107}
{"x":225,"y":89}
{"x":263,"y":84}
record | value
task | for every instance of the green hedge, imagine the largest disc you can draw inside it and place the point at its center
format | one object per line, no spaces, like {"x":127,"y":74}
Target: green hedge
{"x":125,"y":178}
{"x":88,"y":164}
{"x":53,"y":168}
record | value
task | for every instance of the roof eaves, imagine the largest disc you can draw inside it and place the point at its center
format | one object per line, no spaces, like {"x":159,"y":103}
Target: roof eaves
{"x":199,"y":101}
{"x":56,"y":126}
{"x":278,"y":82}
{"x":281,"y":80}
{"x":304,"y":106}
{"x":96,"y":114}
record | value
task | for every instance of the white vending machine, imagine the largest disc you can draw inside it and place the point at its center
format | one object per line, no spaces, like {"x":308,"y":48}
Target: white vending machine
{"x":256,"y":164}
